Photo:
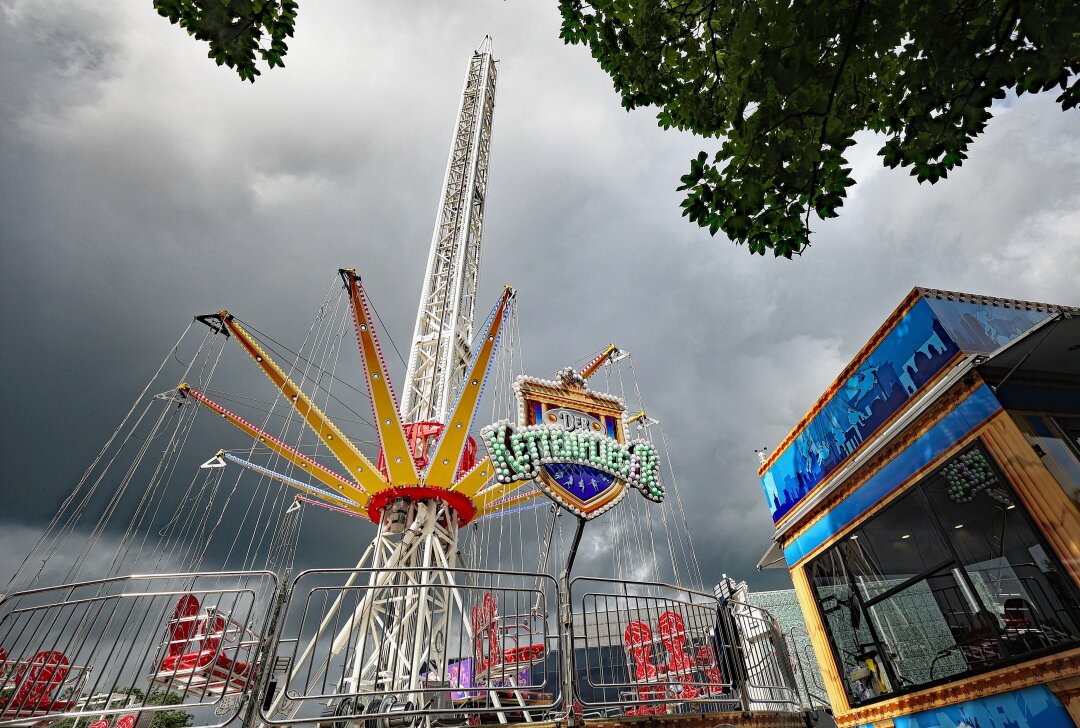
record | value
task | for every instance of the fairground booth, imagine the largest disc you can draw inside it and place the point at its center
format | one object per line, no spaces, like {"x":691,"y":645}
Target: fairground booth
{"x":928,"y":508}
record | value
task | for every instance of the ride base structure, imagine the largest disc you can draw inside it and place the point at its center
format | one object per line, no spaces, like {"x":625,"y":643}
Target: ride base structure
{"x":464,"y":607}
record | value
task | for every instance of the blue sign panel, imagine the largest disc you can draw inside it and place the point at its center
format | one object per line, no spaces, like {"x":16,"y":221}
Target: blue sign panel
{"x":916,"y":349}
{"x":982,"y":327}
{"x":583,"y":482}
{"x":921,"y":343}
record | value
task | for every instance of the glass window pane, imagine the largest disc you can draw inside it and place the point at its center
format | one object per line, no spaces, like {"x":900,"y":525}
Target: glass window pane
{"x":853,"y":644}
{"x":950,"y":578}
{"x":1024,"y":589}
{"x":1057,"y":440}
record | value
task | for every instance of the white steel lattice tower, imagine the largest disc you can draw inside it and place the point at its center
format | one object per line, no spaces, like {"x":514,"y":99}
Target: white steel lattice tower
{"x":444,"y":322}
{"x":398,"y":630}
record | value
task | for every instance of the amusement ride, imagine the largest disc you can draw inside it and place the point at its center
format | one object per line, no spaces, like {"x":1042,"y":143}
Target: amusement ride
{"x":461,"y":609}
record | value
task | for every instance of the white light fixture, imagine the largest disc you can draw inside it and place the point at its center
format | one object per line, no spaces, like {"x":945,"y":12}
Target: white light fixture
{"x":906,"y":536}
{"x":959,"y":525}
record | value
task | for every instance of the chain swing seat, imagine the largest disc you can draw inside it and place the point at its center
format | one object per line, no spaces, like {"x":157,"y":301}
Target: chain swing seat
{"x":37,"y":683}
{"x":196,"y":640}
{"x":496,"y":662}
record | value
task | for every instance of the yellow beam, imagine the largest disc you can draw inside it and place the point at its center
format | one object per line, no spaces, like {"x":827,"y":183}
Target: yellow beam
{"x":294,"y":483}
{"x":400,"y":465}
{"x":503,"y":502}
{"x":321,"y":473}
{"x":358,"y":466}
{"x":475,"y":479}
{"x":444,"y":463}
{"x":598,"y":362}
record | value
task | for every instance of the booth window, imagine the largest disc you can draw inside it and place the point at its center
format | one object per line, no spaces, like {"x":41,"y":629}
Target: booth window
{"x":1057,"y":441}
{"x":949,"y":579}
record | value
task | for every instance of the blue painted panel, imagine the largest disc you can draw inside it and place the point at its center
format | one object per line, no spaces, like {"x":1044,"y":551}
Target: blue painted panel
{"x":981,"y":327}
{"x":906,"y":359}
{"x":1034,"y":707}
{"x":979,"y":405}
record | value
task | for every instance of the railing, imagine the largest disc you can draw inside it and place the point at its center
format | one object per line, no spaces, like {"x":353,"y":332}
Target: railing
{"x":650,"y":649}
{"x":386,"y":647}
{"x":804,"y":664}
{"x":133,"y":645}
{"x":400,"y":645}
{"x":761,"y":655}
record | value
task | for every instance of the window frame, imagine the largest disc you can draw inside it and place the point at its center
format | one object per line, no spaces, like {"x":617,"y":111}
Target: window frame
{"x":955,"y":564}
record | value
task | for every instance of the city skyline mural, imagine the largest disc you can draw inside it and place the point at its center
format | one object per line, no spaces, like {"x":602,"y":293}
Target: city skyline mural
{"x":921,"y":343}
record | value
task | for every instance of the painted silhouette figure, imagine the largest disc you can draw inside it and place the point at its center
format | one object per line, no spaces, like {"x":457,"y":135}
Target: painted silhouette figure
{"x":638,"y":639}
{"x":673,"y":635}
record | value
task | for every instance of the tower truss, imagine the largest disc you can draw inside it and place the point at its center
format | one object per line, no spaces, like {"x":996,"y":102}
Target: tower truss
{"x":440,"y":354}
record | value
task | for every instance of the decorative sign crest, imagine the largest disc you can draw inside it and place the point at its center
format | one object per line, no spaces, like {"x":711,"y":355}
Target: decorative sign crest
{"x":572,"y":441}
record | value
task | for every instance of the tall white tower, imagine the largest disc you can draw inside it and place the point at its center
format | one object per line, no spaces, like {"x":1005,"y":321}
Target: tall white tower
{"x":440,"y":352}
{"x":397,"y":629}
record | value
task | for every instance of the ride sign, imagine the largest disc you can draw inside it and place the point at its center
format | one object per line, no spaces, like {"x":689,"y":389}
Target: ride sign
{"x":572,"y":441}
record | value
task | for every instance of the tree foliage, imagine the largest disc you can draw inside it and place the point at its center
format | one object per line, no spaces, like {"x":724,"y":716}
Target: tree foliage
{"x":236,"y":29}
{"x":168,"y":718}
{"x":785,"y":85}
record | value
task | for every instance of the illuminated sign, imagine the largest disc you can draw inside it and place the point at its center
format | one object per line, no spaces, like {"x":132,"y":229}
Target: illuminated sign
{"x":572,"y":441}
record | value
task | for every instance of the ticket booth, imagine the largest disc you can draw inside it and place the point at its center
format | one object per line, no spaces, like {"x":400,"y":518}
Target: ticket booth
{"x":928,"y":509}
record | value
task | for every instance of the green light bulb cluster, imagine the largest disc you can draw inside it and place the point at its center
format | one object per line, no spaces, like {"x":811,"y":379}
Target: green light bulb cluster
{"x":519,"y":455}
{"x":967,"y":476}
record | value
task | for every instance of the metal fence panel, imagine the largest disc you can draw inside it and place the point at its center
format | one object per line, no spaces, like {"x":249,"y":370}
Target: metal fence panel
{"x":808,"y":680}
{"x":762,"y":656}
{"x":490,"y":637}
{"x":129,"y":647}
{"x":647,"y":649}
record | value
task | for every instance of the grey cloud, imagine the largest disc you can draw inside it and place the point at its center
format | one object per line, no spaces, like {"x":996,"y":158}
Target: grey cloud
{"x":143,"y":185}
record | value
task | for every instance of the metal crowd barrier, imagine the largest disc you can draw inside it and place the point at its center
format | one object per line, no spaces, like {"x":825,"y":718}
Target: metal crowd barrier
{"x":351,"y":639}
{"x":386,"y":647}
{"x":809,"y":683}
{"x":760,"y":654}
{"x":648,"y":649}
{"x":133,"y":646}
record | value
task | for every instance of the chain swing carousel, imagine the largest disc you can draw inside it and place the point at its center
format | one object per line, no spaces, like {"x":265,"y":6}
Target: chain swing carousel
{"x":190,"y":600}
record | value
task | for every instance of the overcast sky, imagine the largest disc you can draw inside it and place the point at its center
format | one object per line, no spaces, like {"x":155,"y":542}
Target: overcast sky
{"x":142,"y":185}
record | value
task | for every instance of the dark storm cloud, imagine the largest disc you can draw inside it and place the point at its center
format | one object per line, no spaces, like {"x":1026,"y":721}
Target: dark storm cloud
{"x":142,"y":185}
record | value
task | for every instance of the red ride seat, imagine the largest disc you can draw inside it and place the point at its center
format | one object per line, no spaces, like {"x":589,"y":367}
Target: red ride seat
{"x":525,"y":653}
{"x":194,"y":654}
{"x":37,"y":681}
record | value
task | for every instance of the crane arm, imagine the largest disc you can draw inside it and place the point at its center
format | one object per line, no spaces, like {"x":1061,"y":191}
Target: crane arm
{"x":357,"y":465}
{"x":444,"y":463}
{"x":348,"y":490}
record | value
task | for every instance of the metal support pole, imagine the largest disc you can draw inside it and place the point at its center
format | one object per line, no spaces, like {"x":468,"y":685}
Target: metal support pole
{"x":566,"y":633}
{"x":258,"y":696}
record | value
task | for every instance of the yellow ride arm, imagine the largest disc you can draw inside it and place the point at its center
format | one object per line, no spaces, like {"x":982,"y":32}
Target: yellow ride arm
{"x":328,"y":477}
{"x":444,"y":463}
{"x":494,"y":505}
{"x":310,"y":490}
{"x":474,"y":480}
{"x":358,"y":466}
{"x":598,"y":362}
{"x":400,"y":465}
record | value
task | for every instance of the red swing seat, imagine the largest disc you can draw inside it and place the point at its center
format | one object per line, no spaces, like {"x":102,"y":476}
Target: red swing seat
{"x":194,"y":653}
{"x":37,"y":682}
{"x":493,"y":662}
